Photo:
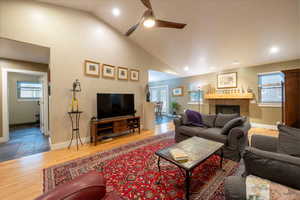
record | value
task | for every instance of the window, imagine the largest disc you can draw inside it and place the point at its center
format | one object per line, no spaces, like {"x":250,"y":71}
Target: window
{"x":29,"y":90}
{"x":270,"y":88}
{"x":195,"y":96}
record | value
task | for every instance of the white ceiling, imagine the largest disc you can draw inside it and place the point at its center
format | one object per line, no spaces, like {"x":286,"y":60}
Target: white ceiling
{"x":23,"y":51}
{"x":218,"y":32}
{"x":154,"y":76}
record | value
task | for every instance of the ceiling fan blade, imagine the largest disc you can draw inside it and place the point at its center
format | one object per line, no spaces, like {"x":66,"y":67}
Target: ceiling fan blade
{"x":146,"y":14}
{"x":147,"y":3}
{"x":132,"y":29}
{"x":166,"y":24}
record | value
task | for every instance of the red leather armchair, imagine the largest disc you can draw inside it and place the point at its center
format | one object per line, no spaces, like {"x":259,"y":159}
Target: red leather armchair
{"x":89,"y":186}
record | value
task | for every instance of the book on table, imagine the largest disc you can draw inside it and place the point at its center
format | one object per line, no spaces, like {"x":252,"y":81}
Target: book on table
{"x":179,"y":155}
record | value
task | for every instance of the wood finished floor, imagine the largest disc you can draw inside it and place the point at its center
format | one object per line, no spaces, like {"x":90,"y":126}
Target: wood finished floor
{"x":23,"y":179}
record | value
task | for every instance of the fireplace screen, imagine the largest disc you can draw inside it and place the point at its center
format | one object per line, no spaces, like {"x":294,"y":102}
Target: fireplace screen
{"x":228,"y":109}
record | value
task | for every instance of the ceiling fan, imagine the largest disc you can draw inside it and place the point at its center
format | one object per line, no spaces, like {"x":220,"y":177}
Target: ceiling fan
{"x":148,"y":20}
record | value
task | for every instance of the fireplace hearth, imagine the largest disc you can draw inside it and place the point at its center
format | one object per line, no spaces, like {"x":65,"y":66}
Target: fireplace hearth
{"x":228,"y":109}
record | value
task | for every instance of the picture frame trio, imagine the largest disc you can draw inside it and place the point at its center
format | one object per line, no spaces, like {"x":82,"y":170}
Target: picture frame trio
{"x":94,"y":69}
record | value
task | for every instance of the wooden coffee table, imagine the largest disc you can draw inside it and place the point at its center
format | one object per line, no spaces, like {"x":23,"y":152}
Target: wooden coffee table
{"x":198,"y":151}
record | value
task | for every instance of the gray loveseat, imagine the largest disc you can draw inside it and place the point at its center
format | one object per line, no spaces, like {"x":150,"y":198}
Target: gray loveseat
{"x":262,"y":160}
{"x":235,"y":140}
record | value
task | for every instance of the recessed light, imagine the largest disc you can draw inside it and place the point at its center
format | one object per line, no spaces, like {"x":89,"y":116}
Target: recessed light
{"x":186,"y":68}
{"x":98,"y":30}
{"x":38,"y":16}
{"x":116,"y":12}
{"x":274,"y":49}
{"x":202,"y":59}
{"x":236,"y":62}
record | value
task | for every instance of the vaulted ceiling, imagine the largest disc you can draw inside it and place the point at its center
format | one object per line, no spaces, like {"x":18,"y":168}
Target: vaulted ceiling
{"x":218,"y":33}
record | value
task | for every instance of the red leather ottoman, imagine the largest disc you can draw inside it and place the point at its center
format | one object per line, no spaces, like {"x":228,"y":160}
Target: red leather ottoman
{"x":89,"y":186}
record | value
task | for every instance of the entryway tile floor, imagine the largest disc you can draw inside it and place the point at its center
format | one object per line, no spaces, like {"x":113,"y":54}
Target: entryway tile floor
{"x":163,"y":119}
{"x":24,"y":141}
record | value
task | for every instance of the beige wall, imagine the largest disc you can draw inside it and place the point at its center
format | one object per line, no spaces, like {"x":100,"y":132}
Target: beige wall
{"x":299,"y":24}
{"x":12,"y":64}
{"x":247,"y":77}
{"x":74,"y":36}
{"x":21,"y":112}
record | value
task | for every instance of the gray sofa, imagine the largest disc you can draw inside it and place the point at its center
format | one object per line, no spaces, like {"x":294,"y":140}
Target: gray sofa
{"x":262,"y":160}
{"x":235,"y":140}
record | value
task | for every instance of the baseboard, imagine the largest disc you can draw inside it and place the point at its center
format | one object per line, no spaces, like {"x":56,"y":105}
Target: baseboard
{"x":23,"y":124}
{"x":3,"y":139}
{"x":266,"y":126}
{"x":65,"y":144}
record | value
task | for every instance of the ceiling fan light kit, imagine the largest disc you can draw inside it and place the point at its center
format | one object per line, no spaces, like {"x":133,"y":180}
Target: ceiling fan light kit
{"x":148,"y":20}
{"x":149,"y":23}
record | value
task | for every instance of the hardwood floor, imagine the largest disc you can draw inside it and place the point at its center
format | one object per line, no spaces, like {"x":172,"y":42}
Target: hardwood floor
{"x":262,"y":131}
{"x":23,"y":178}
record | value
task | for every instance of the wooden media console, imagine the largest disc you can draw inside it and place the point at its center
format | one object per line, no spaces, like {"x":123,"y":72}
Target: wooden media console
{"x":112,"y":127}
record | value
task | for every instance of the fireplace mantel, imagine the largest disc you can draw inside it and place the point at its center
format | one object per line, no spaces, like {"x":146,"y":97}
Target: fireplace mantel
{"x":246,"y":96}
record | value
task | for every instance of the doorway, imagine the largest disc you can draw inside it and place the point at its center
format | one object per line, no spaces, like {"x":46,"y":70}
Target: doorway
{"x":160,"y":96}
{"x":25,"y":113}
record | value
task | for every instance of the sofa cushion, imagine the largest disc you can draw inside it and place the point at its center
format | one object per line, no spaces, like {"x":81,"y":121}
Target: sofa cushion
{"x":91,"y":185}
{"x":222,"y":119}
{"x":280,"y":168}
{"x":209,"y":120}
{"x":231,"y":124}
{"x":190,"y":130}
{"x":289,"y":140}
{"x":213,"y":134}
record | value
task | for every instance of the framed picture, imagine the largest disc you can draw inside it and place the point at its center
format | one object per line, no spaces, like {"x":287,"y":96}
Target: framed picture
{"x":122,"y":73}
{"x":91,"y":68}
{"x":134,"y":75}
{"x":108,"y":71}
{"x":177,"y":91}
{"x":227,"y":80}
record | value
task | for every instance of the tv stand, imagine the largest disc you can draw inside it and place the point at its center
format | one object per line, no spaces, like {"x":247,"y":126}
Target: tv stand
{"x":113,"y":127}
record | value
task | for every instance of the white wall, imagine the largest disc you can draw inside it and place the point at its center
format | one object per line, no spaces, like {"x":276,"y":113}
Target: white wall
{"x":20,"y":112}
{"x":74,"y":36}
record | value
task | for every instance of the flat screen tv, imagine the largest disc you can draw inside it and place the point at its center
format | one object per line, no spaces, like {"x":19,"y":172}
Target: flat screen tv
{"x":114,"y":105}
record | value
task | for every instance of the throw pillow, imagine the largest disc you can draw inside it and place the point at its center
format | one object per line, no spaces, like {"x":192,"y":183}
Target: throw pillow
{"x":222,"y":119}
{"x":231,"y":124}
{"x":209,"y":120}
{"x":194,"y":118}
{"x":289,"y":140}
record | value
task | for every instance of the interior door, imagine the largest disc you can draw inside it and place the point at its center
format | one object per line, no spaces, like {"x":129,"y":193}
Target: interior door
{"x":292,"y":98}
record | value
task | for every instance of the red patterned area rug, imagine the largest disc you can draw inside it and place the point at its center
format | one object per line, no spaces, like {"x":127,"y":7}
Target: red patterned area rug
{"x":132,"y":171}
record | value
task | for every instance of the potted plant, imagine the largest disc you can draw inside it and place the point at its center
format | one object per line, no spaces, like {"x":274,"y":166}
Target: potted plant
{"x":175,"y":107}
